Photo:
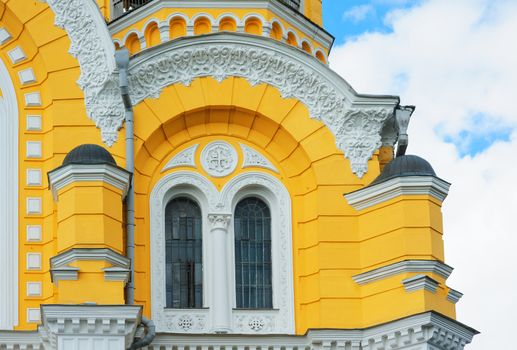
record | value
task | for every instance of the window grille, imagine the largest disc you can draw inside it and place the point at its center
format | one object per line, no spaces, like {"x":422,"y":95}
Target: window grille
{"x":184,"y":254}
{"x":253,"y":275}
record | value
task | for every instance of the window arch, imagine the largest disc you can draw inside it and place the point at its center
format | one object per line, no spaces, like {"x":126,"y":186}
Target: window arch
{"x":253,"y":266}
{"x":184,"y":254}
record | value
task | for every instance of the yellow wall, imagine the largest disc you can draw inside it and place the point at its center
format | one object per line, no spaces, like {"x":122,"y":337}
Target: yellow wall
{"x":331,"y":241}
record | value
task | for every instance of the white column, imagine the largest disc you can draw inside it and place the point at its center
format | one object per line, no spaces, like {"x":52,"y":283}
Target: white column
{"x":221,"y":305}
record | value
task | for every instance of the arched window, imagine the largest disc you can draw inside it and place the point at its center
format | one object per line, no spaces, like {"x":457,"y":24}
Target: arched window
{"x":184,"y":254}
{"x":253,"y":273}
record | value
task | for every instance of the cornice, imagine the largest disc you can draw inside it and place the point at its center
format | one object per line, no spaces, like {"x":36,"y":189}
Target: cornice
{"x":420,"y":282}
{"x":68,"y":174}
{"x":454,"y":296}
{"x":407,"y":185}
{"x":355,"y":120}
{"x":406,"y":266}
{"x":311,"y":29}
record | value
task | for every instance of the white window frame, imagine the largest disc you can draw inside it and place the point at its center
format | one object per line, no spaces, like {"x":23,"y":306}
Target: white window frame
{"x":280,"y":319}
{"x":9,"y":203}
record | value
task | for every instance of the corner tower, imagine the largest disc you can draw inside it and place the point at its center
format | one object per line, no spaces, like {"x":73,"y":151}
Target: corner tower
{"x":241,"y":143}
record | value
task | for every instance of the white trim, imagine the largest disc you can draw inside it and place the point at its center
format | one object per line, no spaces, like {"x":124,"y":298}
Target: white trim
{"x":27,"y":76}
{"x":33,"y":122}
{"x":17,"y":55}
{"x":454,"y":296}
{"x":34,"y":206}
{"x":185,"y":158}
{"x":222,"y":203}
{"x":9,"y":203}
{"x":33,"y":149}
{"x":33,"y":233}
{"x":33,"y":261}
{"x":34,"y":289}
{"x":420,"y":282}
{"x":398,"y":186}
{"x":5,"y":36}
{"x":400,"y":267}
{"x":33,"y":177}
{"x":33,"y":315}
{"x":281,"y":11}
{"x":33,"y":99}
{"x":68,"y":174}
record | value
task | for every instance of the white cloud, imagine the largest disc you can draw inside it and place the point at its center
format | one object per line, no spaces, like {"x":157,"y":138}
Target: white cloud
{"x":455,"y":60}
{"x":358,"y":13}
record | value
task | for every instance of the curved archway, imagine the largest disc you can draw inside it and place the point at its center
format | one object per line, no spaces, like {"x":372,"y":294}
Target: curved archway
{"x":9,"y":202}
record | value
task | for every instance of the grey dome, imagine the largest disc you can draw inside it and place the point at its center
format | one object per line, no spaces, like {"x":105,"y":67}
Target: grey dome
{"x":407,"y":165}
{"x":89,"y":154}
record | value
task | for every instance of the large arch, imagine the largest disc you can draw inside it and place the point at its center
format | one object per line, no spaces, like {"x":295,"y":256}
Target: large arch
{"x":9,"y":201}
{"x":355,"y":120}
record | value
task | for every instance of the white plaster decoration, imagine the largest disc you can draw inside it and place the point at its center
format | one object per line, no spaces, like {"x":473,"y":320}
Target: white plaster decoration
{"x":408,"y":185}
{"x":5,"y":36}
{"x":9,"y":201}
{"x":33,"y":261}
{"x":253,"y":158}
{"x":89,"y":327}
{"x":185,"y":158}
{"x":33,"y":99}
{"x":27,"y":76}
{"x":420,"y":282}
{"x":33,"y":233}
{"x":355,"y":120}
{"x":454,"y":296}
{"x":33,"y":122}
{"x":219,"y":159}
{"x":60,"y":269}
{"x":33,"y":315}
{"x":16,"y":55}
{"x":34,"y":206}
{"x":427,"y":331}
{"x":406,"y":266}
{"x":91,"y":44}
{"x":220,"y":205}
{"x":33,"y":289}
{"x":221,"y":305}
{"x":33,"y":177}
{"x":33,"y":149}
{"x":65,"y":175}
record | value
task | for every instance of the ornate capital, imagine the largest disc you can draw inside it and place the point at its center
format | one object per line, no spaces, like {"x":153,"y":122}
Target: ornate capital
{"x":219,"y":221}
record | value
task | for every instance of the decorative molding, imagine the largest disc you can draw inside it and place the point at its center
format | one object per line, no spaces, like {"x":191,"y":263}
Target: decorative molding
{"x":91,"y":44}
{"x":33,"y":177}
{"x":253,"y":158}
{"x":33,"y":315}
{"x":33,"y":122}
{"x":9,"y":203}
{"x":420,"y":282}
{"x":5,"y":36}
{"x":16,"y":55}
{"x":407,"y":185}
{"x":34,"y":206}
{"x":355,"y":120}
{"x":406,"y":266}
{"x":27,"y":76}
{"x":219,"y":221}
{"x":454,"y":296}
{"x":33,"y":149}
{"x":68,"y":174}
{"x":33,"y":261}
{"x":33,"y":99}
{"x":219,"y":204}
{"x":185,"y":158}
{"x":219,"y":159}
{"x":33,"y":289}
{"x":65,"y":324}
{"x":60,"y":269}
{"x":33,"y":233}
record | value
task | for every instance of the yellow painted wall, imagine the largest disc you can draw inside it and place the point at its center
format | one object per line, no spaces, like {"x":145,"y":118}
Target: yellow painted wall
{"x":331,"y":241}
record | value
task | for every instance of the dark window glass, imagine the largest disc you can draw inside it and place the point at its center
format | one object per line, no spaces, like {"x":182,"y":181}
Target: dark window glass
{"x":184,"y":254}
{"x":253,"y":255}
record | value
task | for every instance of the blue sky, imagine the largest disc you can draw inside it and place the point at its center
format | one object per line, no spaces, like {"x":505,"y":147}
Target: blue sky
{"x":349,"y":19}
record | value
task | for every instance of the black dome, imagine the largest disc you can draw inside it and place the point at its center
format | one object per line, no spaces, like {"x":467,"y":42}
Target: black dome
{"x":89,"y":154}
{"x":407,"y":165}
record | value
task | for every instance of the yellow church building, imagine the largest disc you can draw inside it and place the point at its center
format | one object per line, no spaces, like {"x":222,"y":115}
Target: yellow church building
{"x":191,"y":175}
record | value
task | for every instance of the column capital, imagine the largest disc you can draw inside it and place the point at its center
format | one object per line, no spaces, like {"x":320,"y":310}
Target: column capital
{"x":219,"y":221}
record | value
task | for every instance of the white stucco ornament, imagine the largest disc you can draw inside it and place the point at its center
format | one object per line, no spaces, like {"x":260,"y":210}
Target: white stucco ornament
{"x":219,"y":159}
{"x":356,"y":120}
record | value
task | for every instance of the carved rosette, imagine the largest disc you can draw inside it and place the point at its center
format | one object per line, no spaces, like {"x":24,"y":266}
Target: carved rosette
{"x":219,"y":159}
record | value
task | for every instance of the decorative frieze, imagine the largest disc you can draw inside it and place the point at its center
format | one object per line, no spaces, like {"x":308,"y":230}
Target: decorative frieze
{"x":185,"y":158}
{"x":253,"y":158}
